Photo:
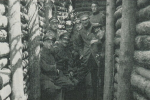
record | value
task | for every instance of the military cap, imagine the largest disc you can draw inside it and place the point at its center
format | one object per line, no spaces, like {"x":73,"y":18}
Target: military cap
{"x":95,"y":2}
{"x":53,"y":19}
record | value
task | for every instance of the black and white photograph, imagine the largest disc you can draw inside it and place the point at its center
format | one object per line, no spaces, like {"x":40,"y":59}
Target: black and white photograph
{"x":74,"y":50}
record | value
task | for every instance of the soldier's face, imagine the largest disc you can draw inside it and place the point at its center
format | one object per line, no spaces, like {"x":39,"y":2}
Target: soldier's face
{"x":85,"y":21}
{"x":54,"y":26}
{"x":94,"y":8}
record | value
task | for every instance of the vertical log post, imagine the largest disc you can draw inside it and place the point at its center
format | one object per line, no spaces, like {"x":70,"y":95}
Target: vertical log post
{"x":15,"y":49}
{"x":48,"y":12}
{"x":34,"y":51}
{"x":127,"y":49}
{"x":109,"y":50}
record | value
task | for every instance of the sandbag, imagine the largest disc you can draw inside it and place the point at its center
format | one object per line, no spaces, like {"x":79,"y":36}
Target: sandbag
{"x":4,"y":51}
{"x":3,"y":62}
{"x":142,"y":57}
{"x":3,"y":36}
{"x":142,"y":42}
{"x":143,"y":72}
{"x":118,"y":13}
{"x":118,"y":33}
{"x":117,"y":41}
{"x":118,"y":23}
{"x":143,"y":28}
{"x":144,"y":14}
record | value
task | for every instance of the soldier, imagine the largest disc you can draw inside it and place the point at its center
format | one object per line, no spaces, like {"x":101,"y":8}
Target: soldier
{"x":90,"y":48}
{"x":52,"y":79}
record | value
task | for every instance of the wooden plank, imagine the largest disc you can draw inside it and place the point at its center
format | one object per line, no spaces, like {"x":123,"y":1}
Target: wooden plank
{"x":127,"y":49}
{"x":15,"y":49}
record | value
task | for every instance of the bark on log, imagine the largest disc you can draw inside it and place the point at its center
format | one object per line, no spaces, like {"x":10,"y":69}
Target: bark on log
{"x":142,"y":3}
{"x":109,"y":51}
{"x":34,"y":51}
{"x":3,"y":62}
{"x":117,"y":41}
{"x":5,"y":92}
{"x":127,"y":49}
{"x":142,"y":57}
{"x":118,"y":33}
{"x":143,"y":28}
{"x":15,"y":50}
{"x":118,"y":13}
{"x":138,"y":96}
{"x":118,"y":23}
{"x":3,"y":36}
{"x":142,"y":42}
{"x":144,"y":14}
{"x":141,"y":83}
{"x":4,"y":51}
{"x":143,"y":72}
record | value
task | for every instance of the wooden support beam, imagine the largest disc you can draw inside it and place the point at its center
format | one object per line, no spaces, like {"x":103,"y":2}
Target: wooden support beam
{"x":34,"y":51}
{"x":15,"y":49}
{"x":127,"y":49}
{"x":109,"y":50}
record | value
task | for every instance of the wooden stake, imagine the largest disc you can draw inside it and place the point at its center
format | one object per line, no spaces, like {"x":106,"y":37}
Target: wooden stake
{"x":34,"y":51}
{"x":127,"y":49}
{"x":15,"y":49}
{"x":109,"y":50}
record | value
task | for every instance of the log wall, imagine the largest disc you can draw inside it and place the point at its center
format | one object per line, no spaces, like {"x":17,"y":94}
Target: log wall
{"x":5,"y":73}
{"x":140,"y":77}
{"x":117,"y":38}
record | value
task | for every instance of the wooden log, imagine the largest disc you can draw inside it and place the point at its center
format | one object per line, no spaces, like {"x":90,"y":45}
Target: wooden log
{"x":24,"y":27}
{"x":117,"y":59}
{"x":3,"y":62}
{"x":142,"y":57}
{"x":25,"y":46}
{"x":142,"y":3}
{"x":118,"y":13}
{"x":143,"y":72}
{"x":116,"y":78}
{"x":117,"y":41}
{"x":141,"y":84}
{"x":24,"y":9}
{"x":138,"y":96}
{"x":4,"y":51}
{"x":117,"y":52}
{"x":24,"y":17}
{"x":118,"y":23}
{"x":118,"y":2}
{"x":142,"y":42}
{"x":5,"y":79}
{"x":144,"y":14}
{"x":25,"y":55}
{"x":118,"y":33}
{"x":42,"y":14}
{"x":23,"y":2}
{"x":117,"y":66}
{"x":3,"y":36}
{"x":15,"y":50}
{"x":115,"y":87}
{"x":109,"y":51}
{"x":127,"y":49}
{"x":34,"y":52}
{"x":3,"y":21}
{"x":143,"y":28}
{"x":5,"y":92}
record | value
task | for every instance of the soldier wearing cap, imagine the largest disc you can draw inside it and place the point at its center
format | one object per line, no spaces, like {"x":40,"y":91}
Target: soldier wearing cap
{"x":53,"y":69}
{"x":90,"y":49}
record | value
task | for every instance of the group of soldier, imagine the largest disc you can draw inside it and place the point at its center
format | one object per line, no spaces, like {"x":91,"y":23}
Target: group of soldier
{"x":74,"y":57}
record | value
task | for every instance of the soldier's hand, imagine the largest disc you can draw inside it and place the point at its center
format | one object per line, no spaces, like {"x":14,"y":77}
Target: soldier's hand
{"x":71,"y":74}
{"x":81,"y":57}
{"x":93,"y":41}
